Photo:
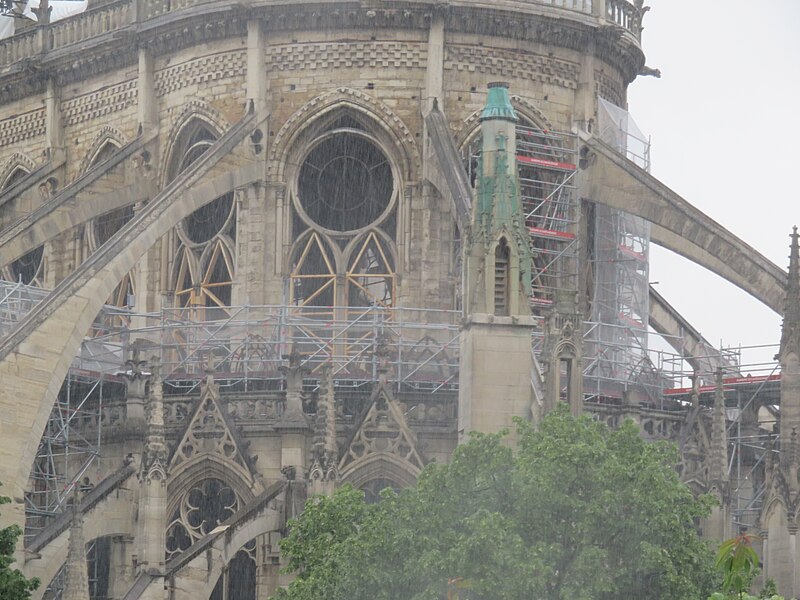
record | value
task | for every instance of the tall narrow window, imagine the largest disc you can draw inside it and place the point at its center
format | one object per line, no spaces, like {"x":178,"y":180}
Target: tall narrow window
{"x":103,"y":228}
{"x":29,"y":268}
{"x":204,"y":268}
{"x":501,"y":278}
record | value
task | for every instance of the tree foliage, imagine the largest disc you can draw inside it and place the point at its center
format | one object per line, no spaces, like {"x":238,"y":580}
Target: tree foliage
{"x":13,"y":584}
{"x":577,"y":511}
{"x":738,"y":563}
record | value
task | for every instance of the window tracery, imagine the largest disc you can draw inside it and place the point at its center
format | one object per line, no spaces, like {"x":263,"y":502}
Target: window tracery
{"x":204,"y":267}
{"x":29,"y":268}
{"x":103,"y":228}
{"x":200,"y":510}
{"x":345,"y":197}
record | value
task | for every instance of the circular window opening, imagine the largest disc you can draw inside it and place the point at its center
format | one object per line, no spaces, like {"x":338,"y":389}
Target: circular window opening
{"x":207,"y":221}
{"x":345,"y":183}
{"x":110,"y":223}
{"x":27,"y":269}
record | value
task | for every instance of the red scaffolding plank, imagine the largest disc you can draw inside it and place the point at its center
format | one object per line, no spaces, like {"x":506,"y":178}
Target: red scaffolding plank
{"x":550,"y":233}
{"x":543,"y":162}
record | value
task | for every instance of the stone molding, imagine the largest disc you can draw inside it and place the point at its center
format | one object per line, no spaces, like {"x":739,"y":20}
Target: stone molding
{"x":18,"y":159}
{"x":94,"y":43}
{"x":343,"y":97}
{"x":204,"y":70}
{"x":25,"y":126}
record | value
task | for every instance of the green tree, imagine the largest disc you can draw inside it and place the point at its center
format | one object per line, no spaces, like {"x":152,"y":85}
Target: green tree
{"x":738,"y":563}
{"x":13,"y":584}
{"x":577,"y":511}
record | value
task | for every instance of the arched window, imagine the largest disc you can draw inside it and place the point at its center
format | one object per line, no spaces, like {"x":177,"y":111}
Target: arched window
{"x":200,"y":510}
{"x":373,"y":488}
{"x":238,"y":580}
{"x":204,"y":267}
{"x":104,"y":227}
{"x":502,"y":290}
{"x":344,"y":196}
{"x":28,"y":268}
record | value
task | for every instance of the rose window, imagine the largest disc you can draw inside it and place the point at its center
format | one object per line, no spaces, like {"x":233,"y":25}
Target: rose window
{"x":345,"y":182}
{"x":201,"y":509}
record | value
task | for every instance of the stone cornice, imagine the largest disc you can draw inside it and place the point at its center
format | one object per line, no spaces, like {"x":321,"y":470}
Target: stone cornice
{"x":117,"y":48}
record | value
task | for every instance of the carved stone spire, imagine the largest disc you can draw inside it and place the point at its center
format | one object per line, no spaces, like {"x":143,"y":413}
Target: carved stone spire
{"x":76,"y":581}
{"x":294,"y":373}
{"x":324,"y":468}
{"x":155,"y":445}
{"x":718,"y":459}
{"x":789,"y":354}
{"x":791,"y":307}
{"x":152,"y":518}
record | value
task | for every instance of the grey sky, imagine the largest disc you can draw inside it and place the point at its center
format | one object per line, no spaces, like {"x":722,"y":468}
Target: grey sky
{"x":726,"y":136}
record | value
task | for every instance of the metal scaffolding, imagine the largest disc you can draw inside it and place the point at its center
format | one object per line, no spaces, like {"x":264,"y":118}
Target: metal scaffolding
{"x":620,"y":268}
{"x":547,"y":171}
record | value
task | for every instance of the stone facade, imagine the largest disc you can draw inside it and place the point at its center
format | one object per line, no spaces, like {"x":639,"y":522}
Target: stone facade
{"x":184,"y":160}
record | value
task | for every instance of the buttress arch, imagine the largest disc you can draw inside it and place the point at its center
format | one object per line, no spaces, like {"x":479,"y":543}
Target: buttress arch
{"x":35,"y":357}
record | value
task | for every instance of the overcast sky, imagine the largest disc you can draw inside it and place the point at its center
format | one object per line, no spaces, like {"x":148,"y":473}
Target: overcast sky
{"x":725,"y":127}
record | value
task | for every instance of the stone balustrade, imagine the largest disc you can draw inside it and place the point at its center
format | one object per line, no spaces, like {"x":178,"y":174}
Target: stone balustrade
{"x":118,"y":14}
{"x":92,"y":23}
{"x":19,"y":47}
{"x":626,"y":15}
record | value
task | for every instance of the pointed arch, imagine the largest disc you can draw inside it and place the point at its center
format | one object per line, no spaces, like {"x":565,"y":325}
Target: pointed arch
{"x":381,"y":465}
{"x":312,"y":282}
{"x":205,"y":265}
{"x":529,"y":114}
{"x":195,"y":116}
{"x":108,"y":137}
{"x":29,"y":268}
{"x":101,"y":229}
{"x":387,"y":126}
{"x":371,"y":273}
{"x":502,"y":278}
{"x":17,"y":161}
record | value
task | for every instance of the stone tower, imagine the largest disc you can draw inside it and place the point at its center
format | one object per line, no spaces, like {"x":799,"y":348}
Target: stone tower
{"x":779,"y":517}
{"x":496,"y":335}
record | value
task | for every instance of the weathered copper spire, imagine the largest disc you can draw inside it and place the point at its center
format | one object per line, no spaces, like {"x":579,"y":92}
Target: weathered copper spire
{"x":498,"y":104}
{"x":498,"y":256}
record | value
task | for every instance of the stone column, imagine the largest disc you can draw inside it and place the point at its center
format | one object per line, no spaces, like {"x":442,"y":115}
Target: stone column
{"x":76,"y":581}
{"x":257,"y":84}
{"x":794,"y":588}
{"x":293,"y":424}
{"x":599,"y":8}
{"x":147,"y":98}
{"x":434,"y":73}
{"x":152,"y":521}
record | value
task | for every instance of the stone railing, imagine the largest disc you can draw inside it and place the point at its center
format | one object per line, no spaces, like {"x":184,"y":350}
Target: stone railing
{"x":626,"y":15}
{"x":21,"y":46}
{"x":89,"y":24}
{"x":117,"y":14}
{"x":584,"y":6}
